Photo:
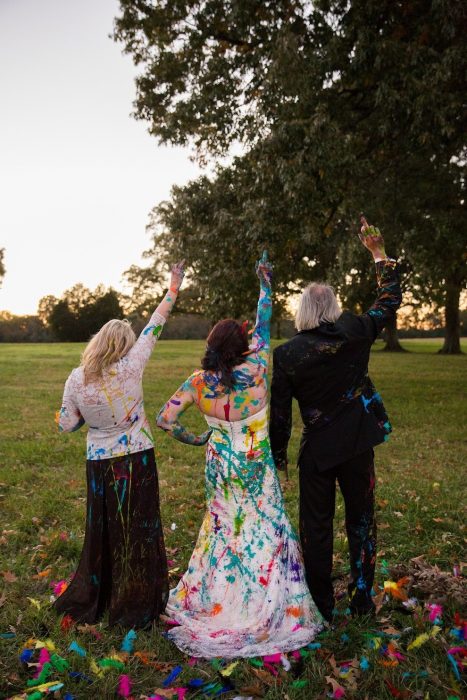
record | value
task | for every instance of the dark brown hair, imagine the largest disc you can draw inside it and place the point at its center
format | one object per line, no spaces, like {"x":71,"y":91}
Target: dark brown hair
{"x":226,"y":347}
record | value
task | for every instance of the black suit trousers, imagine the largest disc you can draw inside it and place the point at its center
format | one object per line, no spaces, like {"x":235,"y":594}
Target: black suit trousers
{"x":356,"y":478}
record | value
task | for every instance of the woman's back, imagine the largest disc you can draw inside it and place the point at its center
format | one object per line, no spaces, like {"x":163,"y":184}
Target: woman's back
{"x":244,"y":593}
{"x":123,"y":564}
{"x":112,"y":405}
{"x":247,"y":396}
{"x":230,"y":398}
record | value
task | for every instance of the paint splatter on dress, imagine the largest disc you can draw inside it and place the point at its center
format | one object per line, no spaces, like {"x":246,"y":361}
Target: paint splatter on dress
{"x":244,"y":593}
{"x":123,"y":565}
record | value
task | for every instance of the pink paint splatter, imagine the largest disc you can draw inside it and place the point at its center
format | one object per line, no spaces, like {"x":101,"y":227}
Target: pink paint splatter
{"x":124,"y":686}
{"x":44,"y":658}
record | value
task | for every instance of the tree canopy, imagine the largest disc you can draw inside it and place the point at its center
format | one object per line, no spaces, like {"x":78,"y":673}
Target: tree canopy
{"x":79,"y":313}
{"x":339,"y":106}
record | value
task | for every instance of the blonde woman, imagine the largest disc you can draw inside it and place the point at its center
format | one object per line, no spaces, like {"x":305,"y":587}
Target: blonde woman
{"x":123,"y":566}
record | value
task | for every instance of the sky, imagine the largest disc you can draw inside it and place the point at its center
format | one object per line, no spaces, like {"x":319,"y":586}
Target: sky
{"x":78,"y":175}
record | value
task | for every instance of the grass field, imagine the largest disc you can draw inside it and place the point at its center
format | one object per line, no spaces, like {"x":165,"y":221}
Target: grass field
{"x":42,"y":494}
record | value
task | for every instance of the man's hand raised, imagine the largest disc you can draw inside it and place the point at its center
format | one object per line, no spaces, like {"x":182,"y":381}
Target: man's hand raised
{"x":372,"y":238}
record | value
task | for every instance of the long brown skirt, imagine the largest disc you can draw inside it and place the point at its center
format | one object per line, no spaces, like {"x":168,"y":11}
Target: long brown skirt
{"x":123,"y":565}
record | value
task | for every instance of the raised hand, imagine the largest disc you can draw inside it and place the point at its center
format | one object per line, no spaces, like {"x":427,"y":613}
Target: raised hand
{"x":264,"y":269}
{"x":176,"y":276}
{"x":372,"y":238}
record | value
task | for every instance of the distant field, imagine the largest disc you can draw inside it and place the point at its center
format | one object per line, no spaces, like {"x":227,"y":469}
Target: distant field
{"x":421,"y":477}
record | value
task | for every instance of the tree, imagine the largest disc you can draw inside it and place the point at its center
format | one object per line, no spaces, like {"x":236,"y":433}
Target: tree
{"x":221,"y":71}
{"x":438,"y":243}
{"x":45,"y":307}
{"x":222,"y":224}
{"x":80,"y":313}
{"x":337,"y":97}
{"x":22,"y":329}
{"x":63,"y":322}
{"x":145,"y":284}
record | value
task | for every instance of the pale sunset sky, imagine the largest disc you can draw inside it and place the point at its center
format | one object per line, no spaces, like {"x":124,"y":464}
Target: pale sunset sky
{"x":78,"y":175}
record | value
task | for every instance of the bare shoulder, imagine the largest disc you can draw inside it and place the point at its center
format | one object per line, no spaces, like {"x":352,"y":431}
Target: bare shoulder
{"x":195,"y":379}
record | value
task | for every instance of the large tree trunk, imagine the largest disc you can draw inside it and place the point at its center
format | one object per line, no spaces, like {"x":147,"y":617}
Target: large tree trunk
{"x":392,"y":339}
{"x":452,"y":343}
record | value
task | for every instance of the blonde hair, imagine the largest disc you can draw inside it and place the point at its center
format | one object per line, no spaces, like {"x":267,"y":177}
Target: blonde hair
{"x":318,"y":304}
{"x":109,"y":345}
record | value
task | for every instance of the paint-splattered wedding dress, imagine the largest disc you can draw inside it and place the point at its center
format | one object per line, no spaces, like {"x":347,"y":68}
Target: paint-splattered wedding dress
{"x":244,"y":593}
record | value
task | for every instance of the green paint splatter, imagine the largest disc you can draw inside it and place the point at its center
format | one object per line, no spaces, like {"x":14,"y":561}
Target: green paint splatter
{"x":238,"y":522}
{"x":145,"y":432}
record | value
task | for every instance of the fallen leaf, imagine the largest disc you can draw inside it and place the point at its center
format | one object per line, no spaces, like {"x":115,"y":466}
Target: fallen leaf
{"x":337,"y":690}
{"x":9,"y":576}
{"x":255,"y":690}
{"x":264,"y":676}
{"x":89,"y":629}
{"x":42,"y":574}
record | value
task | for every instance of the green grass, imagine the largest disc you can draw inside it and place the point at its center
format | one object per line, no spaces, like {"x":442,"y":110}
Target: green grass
{"x":42,"y":495}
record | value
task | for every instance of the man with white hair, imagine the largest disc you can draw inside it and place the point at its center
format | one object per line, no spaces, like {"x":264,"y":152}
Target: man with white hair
{"x":325,"y":367}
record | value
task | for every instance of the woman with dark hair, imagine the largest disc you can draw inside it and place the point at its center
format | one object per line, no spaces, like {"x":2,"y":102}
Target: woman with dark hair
{"x":244,"y":593}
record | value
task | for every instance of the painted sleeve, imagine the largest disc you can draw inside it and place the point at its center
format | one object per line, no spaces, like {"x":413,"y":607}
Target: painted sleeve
{"x":142,"y":349}
{"x":261,"y":338}
{"x":280,"y":424}
{"x":69,"y":418}
{"x":170,"y":414}
{"x":388,"y":298}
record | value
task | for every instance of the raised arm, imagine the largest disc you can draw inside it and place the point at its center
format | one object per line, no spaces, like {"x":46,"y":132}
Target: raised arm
{"x":69,"y":418}
{"x":261,"y":338}
{"x":142,"y":349}
{"x":168,"y":418}
{"x":389,"y":295}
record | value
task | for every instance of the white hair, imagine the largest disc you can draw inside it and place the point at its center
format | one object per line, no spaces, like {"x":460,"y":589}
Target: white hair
{"x":318,"y":304}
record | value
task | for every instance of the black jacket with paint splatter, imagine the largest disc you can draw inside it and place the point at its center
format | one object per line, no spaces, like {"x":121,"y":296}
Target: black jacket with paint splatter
{"x":326,"y":370}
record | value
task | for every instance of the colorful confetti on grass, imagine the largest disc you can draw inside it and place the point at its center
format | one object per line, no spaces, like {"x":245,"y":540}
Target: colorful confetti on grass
{"x":50,"y":667}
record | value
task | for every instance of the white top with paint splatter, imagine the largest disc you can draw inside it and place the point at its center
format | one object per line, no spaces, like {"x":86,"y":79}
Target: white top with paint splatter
{"x":113,"y":407}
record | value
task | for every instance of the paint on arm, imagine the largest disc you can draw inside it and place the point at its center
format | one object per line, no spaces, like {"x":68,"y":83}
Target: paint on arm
{"x":141,"y":351}
{"x":261,"y":339}
{"x":389,"y":295}
{"x":69,"y":417}
{"x":169,"y":415}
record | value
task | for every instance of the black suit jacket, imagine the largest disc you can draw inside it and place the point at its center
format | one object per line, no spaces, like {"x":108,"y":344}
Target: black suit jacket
{"x":326,"y":370}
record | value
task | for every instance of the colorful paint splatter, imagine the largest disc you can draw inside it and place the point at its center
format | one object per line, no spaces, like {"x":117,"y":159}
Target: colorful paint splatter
{"x":244,"y":593}
{"x":212,"y":398}
{"x":326,"y":370}
{"x":123,"y":565}
{"x":113,"y":408}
